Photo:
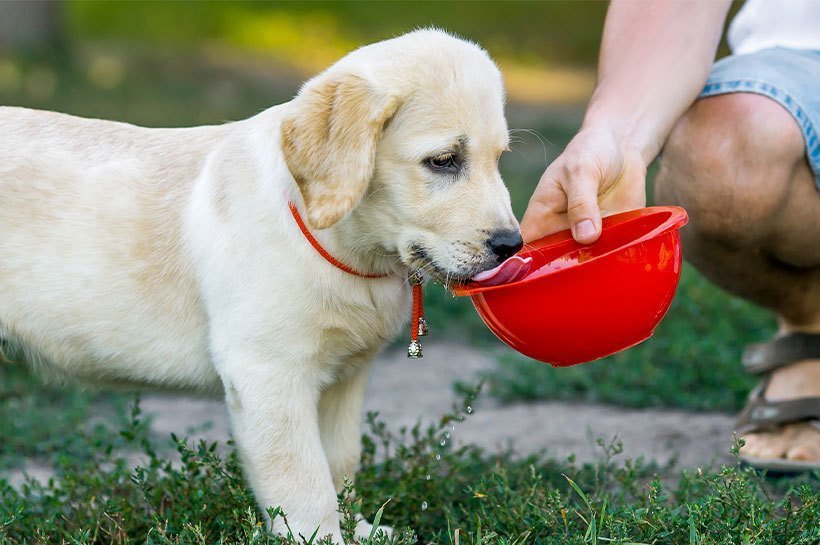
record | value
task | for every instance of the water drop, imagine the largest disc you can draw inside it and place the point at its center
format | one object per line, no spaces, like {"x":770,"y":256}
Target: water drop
{"x":469,"y":409}
{"x":428,"y":477}
{"x":424,"y":506}
{"x":438,"y":456}
{"x":443,"y":442}
{"x":446,"y":434}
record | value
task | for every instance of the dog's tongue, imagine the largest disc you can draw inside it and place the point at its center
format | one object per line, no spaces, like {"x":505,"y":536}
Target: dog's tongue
{"x":515,"y":268}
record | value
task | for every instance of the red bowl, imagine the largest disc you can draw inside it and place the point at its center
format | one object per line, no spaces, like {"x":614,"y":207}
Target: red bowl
{"x":579,"y":303}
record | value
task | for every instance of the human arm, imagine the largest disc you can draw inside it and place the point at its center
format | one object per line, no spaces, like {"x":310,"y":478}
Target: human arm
{"x":655,"y":57}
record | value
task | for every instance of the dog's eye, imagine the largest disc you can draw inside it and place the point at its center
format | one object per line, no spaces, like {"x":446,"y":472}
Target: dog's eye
{"x":449,"y":163}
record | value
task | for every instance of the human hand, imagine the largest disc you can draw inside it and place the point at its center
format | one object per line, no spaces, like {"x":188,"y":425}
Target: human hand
{"x":598,"y":173}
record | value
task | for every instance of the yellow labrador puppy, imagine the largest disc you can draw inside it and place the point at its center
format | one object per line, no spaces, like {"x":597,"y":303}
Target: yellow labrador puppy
{"x":169,"y":258}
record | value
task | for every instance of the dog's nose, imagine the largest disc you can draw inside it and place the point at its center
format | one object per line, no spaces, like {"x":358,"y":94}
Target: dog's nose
{"x":505,"y":244}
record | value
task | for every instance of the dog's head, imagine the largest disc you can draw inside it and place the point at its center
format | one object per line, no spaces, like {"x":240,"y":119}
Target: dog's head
{"x":406,"y":134}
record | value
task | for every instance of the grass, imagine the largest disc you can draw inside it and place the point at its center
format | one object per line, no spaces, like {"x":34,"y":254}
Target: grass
{"x":50,"y":422}
{"x":140,"y":87}
{"x":429,"y":493}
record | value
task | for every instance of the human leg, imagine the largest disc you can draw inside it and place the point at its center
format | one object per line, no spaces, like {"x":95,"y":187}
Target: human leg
{"x":737,"y":163}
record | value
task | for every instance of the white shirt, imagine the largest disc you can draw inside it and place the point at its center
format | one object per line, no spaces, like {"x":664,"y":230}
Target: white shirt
{"x":761,"y":24}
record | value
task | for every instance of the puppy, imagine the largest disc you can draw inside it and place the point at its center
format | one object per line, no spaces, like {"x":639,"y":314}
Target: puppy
{"x":169,"y":258}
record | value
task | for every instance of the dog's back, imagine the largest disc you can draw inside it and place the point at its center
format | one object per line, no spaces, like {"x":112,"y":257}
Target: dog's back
{"x":91,"y":210}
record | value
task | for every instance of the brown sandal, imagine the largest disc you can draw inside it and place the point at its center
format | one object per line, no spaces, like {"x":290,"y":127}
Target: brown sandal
{"x":762,"y":415}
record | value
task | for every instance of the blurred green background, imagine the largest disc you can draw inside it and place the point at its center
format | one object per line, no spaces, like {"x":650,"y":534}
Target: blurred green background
{"x":218,"y":55}
{"x":188,"y":63}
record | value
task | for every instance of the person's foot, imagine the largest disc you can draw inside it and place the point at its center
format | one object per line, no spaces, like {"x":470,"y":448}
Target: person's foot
{"x":799,"y":441}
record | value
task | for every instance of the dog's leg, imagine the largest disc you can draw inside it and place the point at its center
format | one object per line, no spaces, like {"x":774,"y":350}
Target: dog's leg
{"x":275,"y":421}
{"x":340,"y":417}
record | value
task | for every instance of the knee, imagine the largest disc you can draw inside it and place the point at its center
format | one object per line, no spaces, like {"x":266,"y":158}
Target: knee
{"x":729,"y":161}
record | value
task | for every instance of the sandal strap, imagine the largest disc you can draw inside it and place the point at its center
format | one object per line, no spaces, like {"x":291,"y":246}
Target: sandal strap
{"x":781,"y":351}
{"x":761,"y":414}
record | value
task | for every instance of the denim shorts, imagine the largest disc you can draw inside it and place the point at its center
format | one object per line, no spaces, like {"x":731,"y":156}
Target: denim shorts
{"x":790,"y":77}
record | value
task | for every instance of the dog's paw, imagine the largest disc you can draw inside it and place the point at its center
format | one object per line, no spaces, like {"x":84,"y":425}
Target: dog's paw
{"x":363,"y":529}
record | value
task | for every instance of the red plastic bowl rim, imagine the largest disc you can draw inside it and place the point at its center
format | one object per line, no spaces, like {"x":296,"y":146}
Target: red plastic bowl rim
{"x":677,"y":219}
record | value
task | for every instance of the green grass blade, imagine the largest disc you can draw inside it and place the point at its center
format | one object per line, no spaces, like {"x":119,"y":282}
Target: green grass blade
{"x":377,"y":519}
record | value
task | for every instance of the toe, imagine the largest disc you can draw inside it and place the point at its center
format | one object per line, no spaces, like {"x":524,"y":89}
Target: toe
{"x":766,"y":445}
{"x":751,"y":444}
{"x":800,"y":453}
{"x":772,"y":451}
{"x":806,"y":444}
{"x":793,"y":442}
{"x":760,"y":445}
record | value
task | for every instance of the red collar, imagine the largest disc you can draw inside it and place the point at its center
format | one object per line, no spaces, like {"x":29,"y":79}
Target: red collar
{"x":418,"y":325}
{"x":324,"y":253}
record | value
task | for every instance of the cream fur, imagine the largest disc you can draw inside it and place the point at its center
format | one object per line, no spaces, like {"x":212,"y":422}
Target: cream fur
{"x":166,"y":258}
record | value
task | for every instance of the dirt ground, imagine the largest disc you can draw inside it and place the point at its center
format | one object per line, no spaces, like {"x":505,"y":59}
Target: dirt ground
{"x":404,"y":390}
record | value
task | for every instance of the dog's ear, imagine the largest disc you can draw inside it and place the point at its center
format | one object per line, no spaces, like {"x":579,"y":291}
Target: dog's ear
{"x":329,"y":142}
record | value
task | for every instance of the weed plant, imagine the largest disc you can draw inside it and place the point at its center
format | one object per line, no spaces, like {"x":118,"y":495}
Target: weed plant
{"x":428,"y":492}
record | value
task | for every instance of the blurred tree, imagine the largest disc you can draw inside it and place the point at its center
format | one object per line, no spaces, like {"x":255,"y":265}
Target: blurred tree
{"x":30,"y":24}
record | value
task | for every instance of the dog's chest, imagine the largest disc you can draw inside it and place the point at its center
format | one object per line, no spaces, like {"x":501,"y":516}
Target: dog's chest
{"x":359,"y":322}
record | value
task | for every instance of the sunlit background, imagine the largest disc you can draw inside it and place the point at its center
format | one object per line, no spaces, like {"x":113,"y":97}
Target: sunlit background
{"x":223,"y":54}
